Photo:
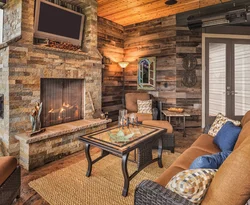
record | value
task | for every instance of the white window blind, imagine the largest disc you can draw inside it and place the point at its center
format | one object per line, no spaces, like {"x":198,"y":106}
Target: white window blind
{"x":242,"y":79}
{"x":217,"y":78}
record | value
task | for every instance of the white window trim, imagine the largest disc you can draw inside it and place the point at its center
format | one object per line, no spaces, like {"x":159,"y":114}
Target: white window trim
{"x":1,"y":26}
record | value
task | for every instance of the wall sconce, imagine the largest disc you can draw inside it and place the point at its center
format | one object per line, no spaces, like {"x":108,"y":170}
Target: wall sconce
{"x":123,"y":65}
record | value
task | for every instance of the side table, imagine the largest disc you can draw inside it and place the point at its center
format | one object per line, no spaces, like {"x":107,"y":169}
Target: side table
{"x":178,"y":116}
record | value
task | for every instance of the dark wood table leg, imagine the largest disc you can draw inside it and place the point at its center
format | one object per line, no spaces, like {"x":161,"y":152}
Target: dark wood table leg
{"x":125,"y":174}
{"x":160,"y":153}
{"x":184,"y":126}
{"x":87,"y":148}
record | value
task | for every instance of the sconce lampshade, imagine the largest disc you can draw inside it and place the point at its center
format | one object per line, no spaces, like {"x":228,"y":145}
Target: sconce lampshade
{"x":123,"y":64}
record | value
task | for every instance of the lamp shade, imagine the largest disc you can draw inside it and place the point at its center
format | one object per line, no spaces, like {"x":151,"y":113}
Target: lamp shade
{"x":123,"y":64}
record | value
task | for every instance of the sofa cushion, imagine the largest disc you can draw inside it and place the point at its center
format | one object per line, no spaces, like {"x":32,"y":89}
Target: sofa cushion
{"x":7,"y":166}
{"x":192,"y":184}
{"x":159,"y":123}
{"x":212,"y":161}
{"x":205,"y":143}
{"x":227,"y":136}
{"x":144,"y":106}
{"x":219,"y":121}
{"x":185,"y":160}
{"x":168,"y":174}
{"x":1,"y":149}
{"x":142,"y":117}
{"x":131,"y":100}
{"x":245,"y":119}
{"x":244,"y":134}
{"x":231,"y":186}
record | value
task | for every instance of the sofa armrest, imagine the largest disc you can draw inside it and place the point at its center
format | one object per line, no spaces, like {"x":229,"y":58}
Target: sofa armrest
{"x":149,"y":192}
{"x":155,"y":113}
{"x":206,"y":129}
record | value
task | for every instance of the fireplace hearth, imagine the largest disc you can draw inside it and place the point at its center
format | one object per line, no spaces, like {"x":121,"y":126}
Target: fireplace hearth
{"x":62,"y":100}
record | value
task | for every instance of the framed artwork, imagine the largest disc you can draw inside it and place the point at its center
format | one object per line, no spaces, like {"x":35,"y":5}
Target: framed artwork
{"x":146,"y":74}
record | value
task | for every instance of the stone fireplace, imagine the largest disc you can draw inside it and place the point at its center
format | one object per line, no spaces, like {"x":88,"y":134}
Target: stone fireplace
{"x":62,"y":100}
{"x":24,"y":68}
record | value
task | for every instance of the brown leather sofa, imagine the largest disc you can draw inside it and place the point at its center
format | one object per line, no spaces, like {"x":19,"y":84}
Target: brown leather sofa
{"x":10,"y":180}
{"x":131,"y":106}
{"x":230,"y":186}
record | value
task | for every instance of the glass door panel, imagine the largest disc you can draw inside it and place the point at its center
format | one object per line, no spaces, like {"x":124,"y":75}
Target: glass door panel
{"x":242,"y":78}
{"x":217,"y":79}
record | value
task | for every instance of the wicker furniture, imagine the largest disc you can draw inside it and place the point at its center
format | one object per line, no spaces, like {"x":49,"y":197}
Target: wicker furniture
{"x":151,"y":193}
{"x":143,"y":140}
{"x":232,"y":177}
{"x":10,"y":180}
{"x":168,"y":138}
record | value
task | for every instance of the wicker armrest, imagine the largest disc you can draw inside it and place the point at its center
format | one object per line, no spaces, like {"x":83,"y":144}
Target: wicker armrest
{"x":151,"y":193}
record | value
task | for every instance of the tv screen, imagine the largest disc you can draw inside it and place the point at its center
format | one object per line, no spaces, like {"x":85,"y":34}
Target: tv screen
{"x":58,"y":23}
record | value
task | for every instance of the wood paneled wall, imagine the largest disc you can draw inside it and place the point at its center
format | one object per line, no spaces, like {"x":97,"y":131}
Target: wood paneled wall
{"x":160,"y":38}
{"x":188,"y":42}
{"x":111,"y":46}
{"x":169,"y":44}
{"x":153,"y":38}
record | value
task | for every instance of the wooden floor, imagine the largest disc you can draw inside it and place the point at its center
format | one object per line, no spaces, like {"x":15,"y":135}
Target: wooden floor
{"x":29,"y":196}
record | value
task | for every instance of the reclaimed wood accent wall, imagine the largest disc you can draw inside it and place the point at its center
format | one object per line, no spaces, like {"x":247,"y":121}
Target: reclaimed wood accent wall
{"x":169,"y":44}
{"x":188,"y":42}
{"x":159,"y":38}
{"x":111,"y":46}
{"x":155,"y":38}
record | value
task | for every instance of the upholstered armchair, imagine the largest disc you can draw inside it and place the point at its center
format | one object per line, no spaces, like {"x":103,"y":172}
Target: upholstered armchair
{"x":131,"y":106}
{"x":10,"y":180}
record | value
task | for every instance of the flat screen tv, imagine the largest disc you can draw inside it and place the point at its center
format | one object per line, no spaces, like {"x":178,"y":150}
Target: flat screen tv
{"x":57,"y":23}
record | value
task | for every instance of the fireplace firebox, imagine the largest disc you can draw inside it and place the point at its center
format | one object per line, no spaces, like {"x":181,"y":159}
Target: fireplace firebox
{"x":62,"y":100}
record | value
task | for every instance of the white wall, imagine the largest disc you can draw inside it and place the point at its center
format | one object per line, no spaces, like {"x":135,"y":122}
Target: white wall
{"x":1,"y":26}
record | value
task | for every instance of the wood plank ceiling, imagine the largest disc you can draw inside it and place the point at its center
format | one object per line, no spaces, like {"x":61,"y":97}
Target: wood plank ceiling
{"x":127,"y":12}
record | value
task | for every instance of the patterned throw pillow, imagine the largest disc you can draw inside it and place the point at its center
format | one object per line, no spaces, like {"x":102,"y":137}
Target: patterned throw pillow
{"x":144,"y":106}
{"x":192,"y":184}
{"x":219,"y":121}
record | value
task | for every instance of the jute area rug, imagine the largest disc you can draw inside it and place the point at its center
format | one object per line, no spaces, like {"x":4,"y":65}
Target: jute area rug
{"x":70,"y":186}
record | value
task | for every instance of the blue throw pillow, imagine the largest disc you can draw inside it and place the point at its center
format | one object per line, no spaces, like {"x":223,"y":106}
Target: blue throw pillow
{"x":210,"y":161}
{"x":227,"y":136}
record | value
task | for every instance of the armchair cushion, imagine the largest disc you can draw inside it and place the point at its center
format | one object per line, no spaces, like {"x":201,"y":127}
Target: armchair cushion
{"x":7,"y":166}
{"x":131,"y":100}
{"x":144,"y":116}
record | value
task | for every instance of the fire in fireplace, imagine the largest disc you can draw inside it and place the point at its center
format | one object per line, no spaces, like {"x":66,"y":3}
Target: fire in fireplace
{"x":62,"y":100}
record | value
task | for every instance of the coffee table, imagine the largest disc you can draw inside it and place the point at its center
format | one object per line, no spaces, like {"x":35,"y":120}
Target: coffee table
{"x":142,"y":141}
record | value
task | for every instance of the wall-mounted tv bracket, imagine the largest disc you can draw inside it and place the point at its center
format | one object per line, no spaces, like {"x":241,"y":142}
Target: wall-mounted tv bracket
{"x":1,"y":106}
